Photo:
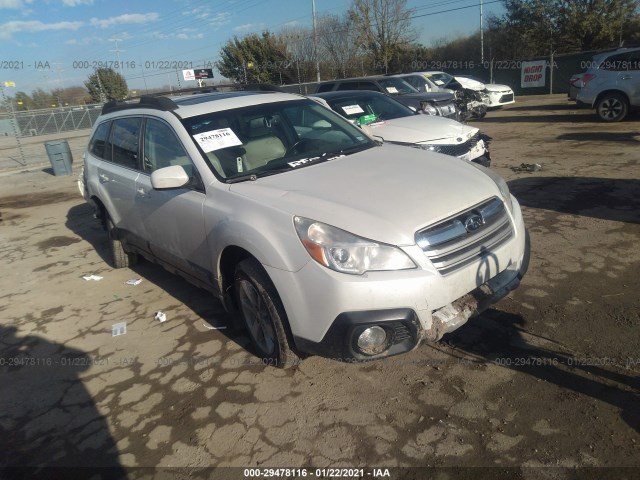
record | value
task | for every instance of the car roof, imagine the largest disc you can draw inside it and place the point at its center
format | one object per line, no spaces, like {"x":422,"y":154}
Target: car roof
{"x":372,"y":77}
{"x":347,"y":93}
{"x":617,"y":51}
{"x":201,"y":103}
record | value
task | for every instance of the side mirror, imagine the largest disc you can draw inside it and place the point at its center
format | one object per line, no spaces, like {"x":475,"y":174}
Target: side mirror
{"x":169,"y":177}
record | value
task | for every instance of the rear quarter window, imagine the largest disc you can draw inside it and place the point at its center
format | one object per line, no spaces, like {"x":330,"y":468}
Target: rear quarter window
{"x":99,"y":140}
{"x":327,"y":87}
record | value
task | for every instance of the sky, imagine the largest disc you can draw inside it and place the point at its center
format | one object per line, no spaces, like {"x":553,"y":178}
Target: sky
{"x":52,"y":44}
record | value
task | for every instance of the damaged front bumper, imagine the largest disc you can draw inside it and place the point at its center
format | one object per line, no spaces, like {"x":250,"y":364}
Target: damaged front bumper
{"x":403,"y":325}
{"x":453,"y":316}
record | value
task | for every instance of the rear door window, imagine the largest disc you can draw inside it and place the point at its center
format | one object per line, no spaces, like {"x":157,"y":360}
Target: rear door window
{"x":124,"y":141}
{"x":616,"y":63}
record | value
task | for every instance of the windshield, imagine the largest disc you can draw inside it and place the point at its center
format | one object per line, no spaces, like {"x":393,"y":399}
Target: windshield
{"x":362,"y":108}
{"x":259,"y":140}
{"x":396,"y":86}
{"x":440,"y":79}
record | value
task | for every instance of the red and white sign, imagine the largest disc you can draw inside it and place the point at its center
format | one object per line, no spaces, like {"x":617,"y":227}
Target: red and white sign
{"x":189,"y":74}
{"x":533,"y":74}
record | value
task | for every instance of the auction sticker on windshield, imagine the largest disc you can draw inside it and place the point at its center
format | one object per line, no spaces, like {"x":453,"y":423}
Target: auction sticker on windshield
{"x":217,"y":139}
{"x":352,"y":109}
{"x":392,"y":90}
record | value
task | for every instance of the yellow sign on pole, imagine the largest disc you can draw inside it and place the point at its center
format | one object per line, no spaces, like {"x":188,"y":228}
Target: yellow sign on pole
{"x":9,"y":84}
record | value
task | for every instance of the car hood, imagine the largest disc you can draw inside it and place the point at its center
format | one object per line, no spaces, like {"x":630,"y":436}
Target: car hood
{"x":423,"y":129}
{"x":385,"y":193}
{"x":470,"y":84}
{"x":496,"y":87}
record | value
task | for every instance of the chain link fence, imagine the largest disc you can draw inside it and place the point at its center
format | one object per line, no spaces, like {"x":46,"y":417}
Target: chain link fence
{"x":23,"y":133}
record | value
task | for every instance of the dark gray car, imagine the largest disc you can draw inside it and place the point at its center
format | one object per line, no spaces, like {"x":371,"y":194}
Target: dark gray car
{"x":432,"y":103}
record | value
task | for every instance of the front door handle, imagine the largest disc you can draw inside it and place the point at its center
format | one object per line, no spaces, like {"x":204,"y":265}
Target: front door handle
{"x":103,"y":178}
{"x":141,"y":193}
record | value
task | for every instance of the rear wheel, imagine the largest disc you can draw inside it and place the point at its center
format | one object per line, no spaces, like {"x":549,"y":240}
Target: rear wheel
{"x":263,"y":315}
{"x":120,"y":258}
{"x":612,"y":107}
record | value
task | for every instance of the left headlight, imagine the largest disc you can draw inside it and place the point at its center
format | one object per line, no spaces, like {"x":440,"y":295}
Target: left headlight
{"x":345,"y":252}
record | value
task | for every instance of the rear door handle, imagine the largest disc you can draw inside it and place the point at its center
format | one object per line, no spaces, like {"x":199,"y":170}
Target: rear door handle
{"x":626,"y":77}
{"x":103,"y":178}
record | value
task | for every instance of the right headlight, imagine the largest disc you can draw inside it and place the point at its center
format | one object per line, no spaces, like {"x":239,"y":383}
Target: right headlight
{"x":431,"y":148}
{"x":345,"y":252}
{"x":428,"y":108}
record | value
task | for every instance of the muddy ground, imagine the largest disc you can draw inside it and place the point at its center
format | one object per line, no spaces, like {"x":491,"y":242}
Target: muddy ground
{"x":549,"y":377}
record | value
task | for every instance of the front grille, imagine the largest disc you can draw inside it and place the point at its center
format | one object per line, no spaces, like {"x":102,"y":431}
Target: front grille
{"x":467,"y":236}
{"x":506,"y":98}
{"x":461,"y":148}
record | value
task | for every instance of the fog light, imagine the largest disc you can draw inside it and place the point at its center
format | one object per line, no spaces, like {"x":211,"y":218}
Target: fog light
{"x":373,"y":340}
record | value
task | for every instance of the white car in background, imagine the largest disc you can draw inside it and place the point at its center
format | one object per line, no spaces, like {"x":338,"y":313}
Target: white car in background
{"x":385,"y":118}
{"x":611,"y":85}
{"x":499,"y":95}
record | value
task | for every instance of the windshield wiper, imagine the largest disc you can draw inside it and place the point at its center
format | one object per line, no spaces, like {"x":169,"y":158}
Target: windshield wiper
{"x":255,"y":175}
{"x":242,"y":178}
{"x":346,"y":151}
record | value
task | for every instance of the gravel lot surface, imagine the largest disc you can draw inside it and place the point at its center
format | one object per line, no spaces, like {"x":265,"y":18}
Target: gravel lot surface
{"x":549,"y":377}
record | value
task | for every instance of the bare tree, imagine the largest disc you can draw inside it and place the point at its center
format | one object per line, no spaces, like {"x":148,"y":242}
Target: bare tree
{"x":299,"y":45}
{"x":383,"y":26}
{"x":338,"y":42}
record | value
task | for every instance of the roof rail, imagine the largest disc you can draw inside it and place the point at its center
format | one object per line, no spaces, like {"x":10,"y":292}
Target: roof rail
{"x":146,"y":101}
{"x":230,"y":87}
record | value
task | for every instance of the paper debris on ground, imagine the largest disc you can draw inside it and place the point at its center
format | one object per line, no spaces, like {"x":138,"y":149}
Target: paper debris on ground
{"x":93,"y":277}
{"x":118,"y":329}
{"x":134,"y":281}
{"x":161,"y":316}
{"x":211,"y":327}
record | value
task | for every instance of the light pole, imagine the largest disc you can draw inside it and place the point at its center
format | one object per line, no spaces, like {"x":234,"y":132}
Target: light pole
{"x":481,"y":36}
{"x":315,"y":40}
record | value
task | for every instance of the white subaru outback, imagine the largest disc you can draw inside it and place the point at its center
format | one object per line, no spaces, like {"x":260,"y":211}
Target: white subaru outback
{"x":323,"y":240}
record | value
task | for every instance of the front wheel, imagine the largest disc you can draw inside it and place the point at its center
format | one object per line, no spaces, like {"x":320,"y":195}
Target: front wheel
{"x":612,"y":107}
{"x":120,"y":258}
{"x":263,"y":315}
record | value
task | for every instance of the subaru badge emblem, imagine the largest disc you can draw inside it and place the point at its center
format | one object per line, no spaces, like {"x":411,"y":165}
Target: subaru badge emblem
{"x":473,"y":222}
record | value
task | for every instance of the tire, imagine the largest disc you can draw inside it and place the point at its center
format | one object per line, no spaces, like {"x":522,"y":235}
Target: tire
{"x":263,"y":315}
{"x":120,"y":258}
{"x":612,"y":107}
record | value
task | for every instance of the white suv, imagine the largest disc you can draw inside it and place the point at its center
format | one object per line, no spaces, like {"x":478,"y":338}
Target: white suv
{"x":611,"y":84}
{"x":323,"y":240}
